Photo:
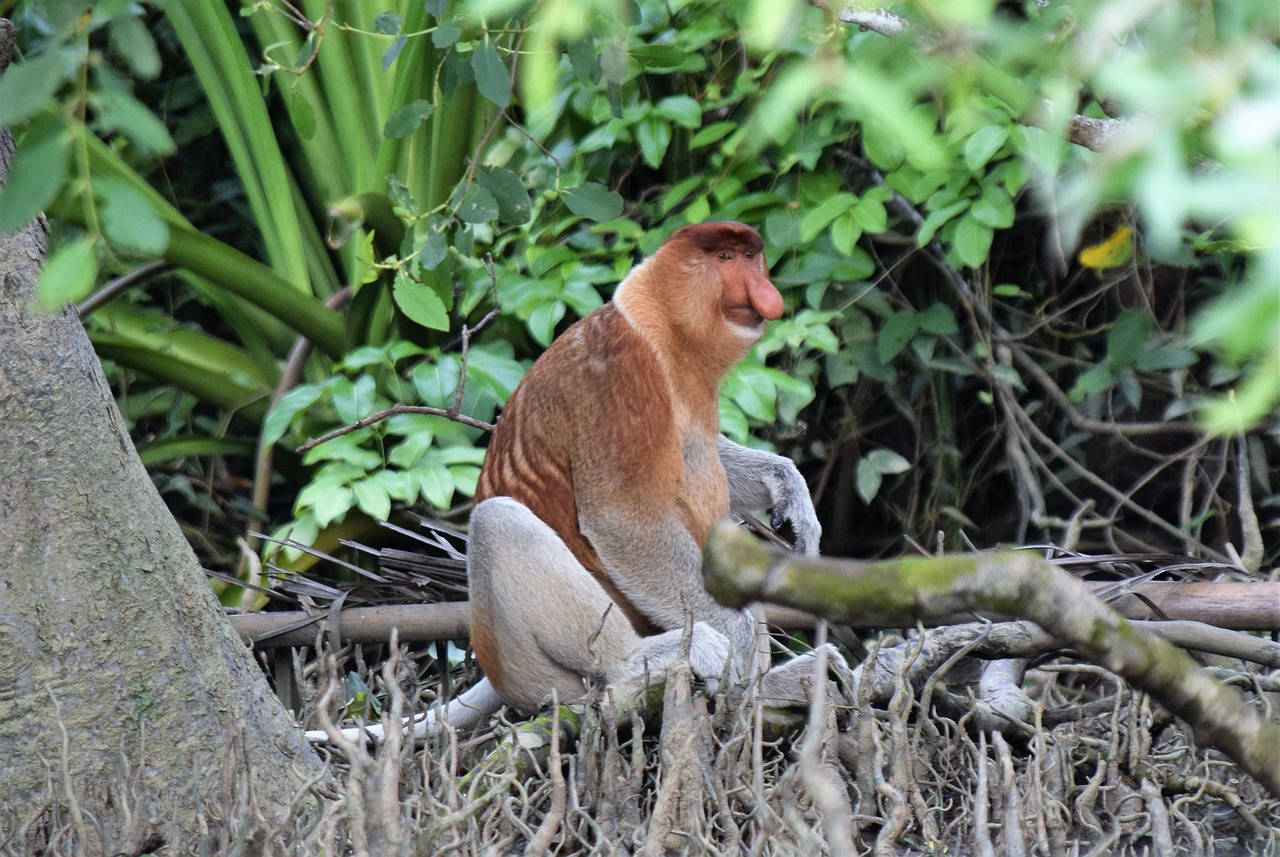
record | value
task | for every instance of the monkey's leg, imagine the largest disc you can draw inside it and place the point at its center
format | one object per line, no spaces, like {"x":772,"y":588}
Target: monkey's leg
{"x":541,"y":621}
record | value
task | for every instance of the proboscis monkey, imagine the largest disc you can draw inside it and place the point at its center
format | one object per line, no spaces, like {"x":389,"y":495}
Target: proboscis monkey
{"x":605,"y":474}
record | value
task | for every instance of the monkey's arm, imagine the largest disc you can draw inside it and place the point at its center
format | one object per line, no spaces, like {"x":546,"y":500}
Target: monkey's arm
{"x":762,"y":480}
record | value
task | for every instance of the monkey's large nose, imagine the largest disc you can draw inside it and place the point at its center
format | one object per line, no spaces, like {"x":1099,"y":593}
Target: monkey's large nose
{"x":765,"y":299}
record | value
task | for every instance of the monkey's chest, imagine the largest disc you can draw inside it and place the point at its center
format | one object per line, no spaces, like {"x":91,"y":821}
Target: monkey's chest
{"x":704,"y":488}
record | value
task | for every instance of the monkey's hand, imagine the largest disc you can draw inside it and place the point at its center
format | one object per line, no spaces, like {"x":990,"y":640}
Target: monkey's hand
{"x":762,"y":480}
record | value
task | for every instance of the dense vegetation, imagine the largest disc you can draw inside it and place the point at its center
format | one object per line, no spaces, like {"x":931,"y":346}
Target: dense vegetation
{"x":991,"y":330}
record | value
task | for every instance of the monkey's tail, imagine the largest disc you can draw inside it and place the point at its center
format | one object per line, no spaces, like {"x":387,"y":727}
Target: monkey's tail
{"x":471,"y":709}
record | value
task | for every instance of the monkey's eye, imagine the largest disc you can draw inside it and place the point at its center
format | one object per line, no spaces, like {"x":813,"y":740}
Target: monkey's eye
{"x":750,"y":254}
{"x":725,"y":255}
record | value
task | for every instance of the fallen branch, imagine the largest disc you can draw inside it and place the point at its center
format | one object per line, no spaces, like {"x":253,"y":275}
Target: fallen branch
{"x":739,"y":569}
{"x":1242,"y":606}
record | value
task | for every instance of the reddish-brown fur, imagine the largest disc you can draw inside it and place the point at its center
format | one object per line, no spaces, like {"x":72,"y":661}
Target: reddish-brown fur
{"x":631,"y":390}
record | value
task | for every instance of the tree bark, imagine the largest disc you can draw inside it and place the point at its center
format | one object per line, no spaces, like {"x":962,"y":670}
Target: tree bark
{"x":128,"y":705}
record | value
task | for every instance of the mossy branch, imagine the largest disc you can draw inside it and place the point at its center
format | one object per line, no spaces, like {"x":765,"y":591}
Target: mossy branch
{"x":740,"y":569}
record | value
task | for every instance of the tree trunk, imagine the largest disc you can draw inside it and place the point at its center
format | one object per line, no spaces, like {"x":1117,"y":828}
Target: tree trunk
{"x":131,"y":715}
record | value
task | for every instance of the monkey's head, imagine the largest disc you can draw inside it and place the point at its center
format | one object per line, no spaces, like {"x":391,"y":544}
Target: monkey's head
{"x":713,"y":280}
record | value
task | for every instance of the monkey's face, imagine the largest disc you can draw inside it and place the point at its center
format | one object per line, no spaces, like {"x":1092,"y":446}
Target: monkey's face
{"x":731,"y":279}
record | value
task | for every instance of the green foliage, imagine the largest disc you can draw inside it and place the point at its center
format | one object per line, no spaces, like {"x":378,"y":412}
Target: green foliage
{"x":919,"y":199}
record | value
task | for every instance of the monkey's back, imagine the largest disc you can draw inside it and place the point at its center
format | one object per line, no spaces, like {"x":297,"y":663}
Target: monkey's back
{"x":599,"y":372}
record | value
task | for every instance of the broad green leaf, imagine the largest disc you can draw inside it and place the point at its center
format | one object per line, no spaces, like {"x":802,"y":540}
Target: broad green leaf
{"x":387,"y":23}
{"x":372,"y":498}
{"x":939,"y":319}
{"x":584,"y":59}
{"x":593,"y":201}
{"x":446,"y":34}
{"x":410,"y":451}
{"x":870,"y":215}
{"x":1125,"y":338}
{"x":1095,"y":380}
{"x":680,"y":109}
{"x":712,"y":134}
{"x":1165,"y":357}
{"x":514,"y":206}
{"x":118,"y":110}
{"x":543,"y":320}
{"x":26,"y":86}
{"x":290,"y":405}
{"x":658,"y":57}
{"x":433,"y":250}
{"x":895,"y":334}
{"x":128,"y":219}
{"x":436,"y":483}
{"x":353,"y":400}
{"x":37,"y":171}
{"x":333,"y":504}
{"x":68,"y":275}
{"x":653,"y":135}
{"x":420,"y":303}
{"x":303,"y":115}
{"x":477,"y":205}
{"x":936,"y":219}
{"x":492,"y":78}
{"x":972,"y":241}
{"x":404,"y":120}
{"x":982,"y":146}
{"x":130,"y":40}
{"x":826,"y":211}
{"x":872,"y":468}
{"x":845,"y":233}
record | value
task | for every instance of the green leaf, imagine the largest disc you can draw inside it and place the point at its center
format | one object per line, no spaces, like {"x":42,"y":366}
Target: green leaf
{"x":477,"y":205}
{"x":870,"y":215}
{"x":972,"y":242}
{"x":825,"y":212}
{"x":446,"y":34}
{"x":128,"y":219}
{"x":387,"y":23}
{"x":353,"y":400}
{"x":543,"y":320}
{"x":1095,"y":380}
{"x":895,"y":334}
{"x":492,"y":78}
{"x":680,"y":109}
{"x":872,"y":469}
{"x":437,"y":484}
{"x":303,"y":115}
{"x":936,"y":219}
{"x":130,"y":40}
{"x":983,"y":145}
{"x":26,"y":86}
{"x":333,"y":504}
{"x":593,"y":201}
{"x":712,"y":134}
{"x":290,"y":405}
{"x":37,"y":171}
{"x":658,"y":57}
{"x":1128,"y":333}
{"x":433,"y":250}
{"x":845,"y":233}
{"x":372,"y":498}
{"x":939,"y":319}
{"x":68,"y":275}
{"x":404,"y":120}
{"x":1165,"y":357}
{"x":419,"y":303}
{"x":653,"y":135}
{"x":514,"y":205}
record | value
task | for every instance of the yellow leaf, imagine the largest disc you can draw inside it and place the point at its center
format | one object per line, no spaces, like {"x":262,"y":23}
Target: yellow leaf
{"x":1112,"y":252}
